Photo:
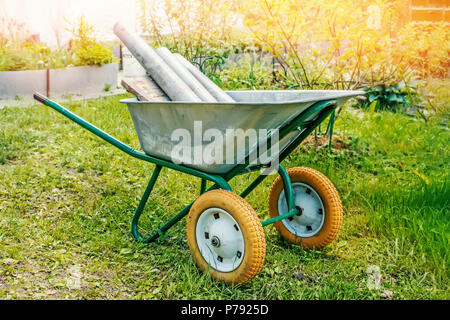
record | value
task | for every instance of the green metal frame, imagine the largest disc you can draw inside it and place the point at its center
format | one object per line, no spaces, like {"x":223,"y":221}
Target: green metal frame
{"x":300,"y":122}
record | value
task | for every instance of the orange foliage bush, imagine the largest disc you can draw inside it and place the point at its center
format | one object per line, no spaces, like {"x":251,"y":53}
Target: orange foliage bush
{"x":348,"y":43}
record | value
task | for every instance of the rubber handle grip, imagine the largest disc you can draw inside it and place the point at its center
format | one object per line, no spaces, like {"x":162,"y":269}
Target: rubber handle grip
{"x":39,"y":97}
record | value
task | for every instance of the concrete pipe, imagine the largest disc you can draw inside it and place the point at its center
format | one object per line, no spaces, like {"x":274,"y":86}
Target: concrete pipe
{"x":163,"y":75}
{"x":184,"y":74}
{"x":213,"y":89}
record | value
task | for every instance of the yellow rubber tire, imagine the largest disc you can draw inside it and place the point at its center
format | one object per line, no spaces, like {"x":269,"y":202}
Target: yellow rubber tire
{"x":330,"y":200}
{"x":251,"y":232}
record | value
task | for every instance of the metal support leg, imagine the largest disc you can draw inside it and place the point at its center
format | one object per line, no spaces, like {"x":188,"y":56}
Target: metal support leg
{"x":253,"y":185}
{"x":332,"y":119}
{"x":220,"y":183}
{"x":140,"y":208}
{"x":292,"y":210}
{"x":203,"y":187}
{"x":287,"y":187}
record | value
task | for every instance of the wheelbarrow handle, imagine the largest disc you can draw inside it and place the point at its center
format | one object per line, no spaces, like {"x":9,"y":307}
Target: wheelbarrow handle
{"x":218,"y":180}
{"x":40,"y":97}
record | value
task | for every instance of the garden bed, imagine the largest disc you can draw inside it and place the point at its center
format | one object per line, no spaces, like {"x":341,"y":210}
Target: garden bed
{"x":83,"y":80}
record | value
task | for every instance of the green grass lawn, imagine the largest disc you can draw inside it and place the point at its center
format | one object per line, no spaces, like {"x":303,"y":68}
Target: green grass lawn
{"x":67,"y":199}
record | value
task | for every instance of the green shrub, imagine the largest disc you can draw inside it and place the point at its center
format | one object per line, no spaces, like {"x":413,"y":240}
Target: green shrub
{"x":17,"y":53}
{"x":92,"y":53}
{"x":249,"y":74}
{"x":425,"y":46}
{"x":32,"y":56}
{"x":11,"y":59}
{"x":87,"y":49}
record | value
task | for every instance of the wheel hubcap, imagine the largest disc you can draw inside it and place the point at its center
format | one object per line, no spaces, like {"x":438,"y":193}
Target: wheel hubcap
{"x":220,"y":239}
{"x":215,"y":242}
{"x":311,"y":216}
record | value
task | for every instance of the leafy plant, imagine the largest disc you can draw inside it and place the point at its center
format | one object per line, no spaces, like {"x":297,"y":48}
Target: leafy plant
{"x":389,"y":97}
{"x":87,"y":49}
{"x":107,"y":87}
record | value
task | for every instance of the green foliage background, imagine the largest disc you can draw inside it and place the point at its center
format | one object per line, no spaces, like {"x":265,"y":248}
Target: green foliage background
{"x":18,"y":53}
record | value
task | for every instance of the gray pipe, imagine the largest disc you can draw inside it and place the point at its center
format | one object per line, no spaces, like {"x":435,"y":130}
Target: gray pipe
{"x":213,"y":89}
{"x":164,"y":76}
{"x":184,"y":74}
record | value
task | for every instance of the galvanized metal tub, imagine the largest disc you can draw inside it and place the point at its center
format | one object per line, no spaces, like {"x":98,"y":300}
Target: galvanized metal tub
{"x":155,"y":122}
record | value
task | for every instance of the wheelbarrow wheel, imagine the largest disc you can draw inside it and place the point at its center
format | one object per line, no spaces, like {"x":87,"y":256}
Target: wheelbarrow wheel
{"x":226,"y":237}
{"x":318,"y":201}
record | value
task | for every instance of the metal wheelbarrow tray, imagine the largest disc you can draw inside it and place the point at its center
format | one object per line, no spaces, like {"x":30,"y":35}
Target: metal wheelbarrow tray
{"x":224,"y":233}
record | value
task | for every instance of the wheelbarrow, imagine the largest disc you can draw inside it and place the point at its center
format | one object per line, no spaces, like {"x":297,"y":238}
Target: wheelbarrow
{"x":224,"y":233}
